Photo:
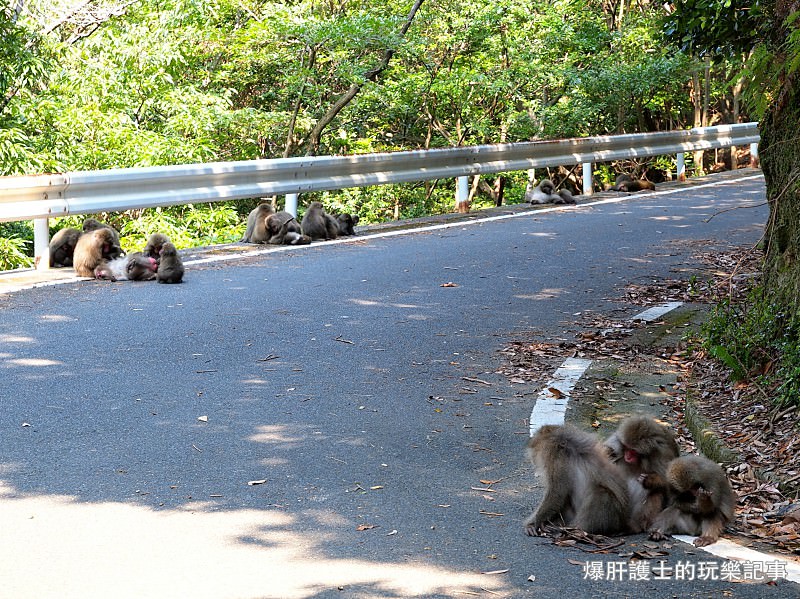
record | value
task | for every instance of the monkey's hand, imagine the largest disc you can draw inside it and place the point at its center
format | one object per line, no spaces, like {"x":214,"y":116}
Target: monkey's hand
{"x":703,"y":541}
{"x":656,"y":535}
{"x":533,"y":527}
{"x":652,"y":481}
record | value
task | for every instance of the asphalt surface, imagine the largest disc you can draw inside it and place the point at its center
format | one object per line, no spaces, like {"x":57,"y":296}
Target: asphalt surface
{"x":321,"y":422}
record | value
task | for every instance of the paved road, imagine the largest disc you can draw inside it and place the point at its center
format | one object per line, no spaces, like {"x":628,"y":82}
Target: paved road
{"x":136,"y":418}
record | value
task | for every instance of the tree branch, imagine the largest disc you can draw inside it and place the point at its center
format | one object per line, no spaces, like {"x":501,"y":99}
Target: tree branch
{"x":372,"y":75}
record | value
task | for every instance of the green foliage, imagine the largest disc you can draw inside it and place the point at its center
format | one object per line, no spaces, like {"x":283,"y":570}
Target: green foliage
{"x":14,"y":253}
{"x":187,"y":226}
{"x":756,"y":339}
{"x":718,"y":28}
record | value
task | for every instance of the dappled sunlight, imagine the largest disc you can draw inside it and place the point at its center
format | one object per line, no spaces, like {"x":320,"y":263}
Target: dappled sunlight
{"x":544,"y":294}
{"x":542,"y":234}
{"x":15,"y":339}
{"x":667,"y":218}
{"x":56,"y":318}
{"x":34,"y":362}
{"x":66,"y":549}
{"x":277,"y":434}
{"x":363,"y":302}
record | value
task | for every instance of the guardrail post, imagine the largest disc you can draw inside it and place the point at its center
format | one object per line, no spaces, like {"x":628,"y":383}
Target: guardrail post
{"x":462,"y":194}
{"x":291,"y":204}
{"x":588,"y":185}
{"x":41,"y":244}
{"x":680,"y":166}
{"x":754,"y":155}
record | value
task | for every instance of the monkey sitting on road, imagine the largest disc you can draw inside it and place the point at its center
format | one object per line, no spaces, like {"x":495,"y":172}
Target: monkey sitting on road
{"x":256,"y":231}
{"x":702,"y":501}
{"x":319,"y":225}
{"x":93,"y":252}
{"x":170,"y":266}
{"x":583,"y":488}
{"x":62,"y":246}
{"x":642,"y":448}
{"x":154,"y":244}
{"x":282,"y":229}
{"x":346,"y":223}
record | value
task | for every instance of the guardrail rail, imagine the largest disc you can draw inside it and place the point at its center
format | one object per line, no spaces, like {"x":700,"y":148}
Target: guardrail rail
{"x":40,"y":197}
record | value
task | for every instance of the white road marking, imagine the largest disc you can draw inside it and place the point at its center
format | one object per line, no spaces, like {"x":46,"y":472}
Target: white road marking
{"x":655,"y":312}
{"x":550,"y":407}
{"x":728,"y":550}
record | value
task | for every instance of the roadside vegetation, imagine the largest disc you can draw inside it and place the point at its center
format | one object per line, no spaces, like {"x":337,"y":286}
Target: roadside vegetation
{"x":110,"y":83}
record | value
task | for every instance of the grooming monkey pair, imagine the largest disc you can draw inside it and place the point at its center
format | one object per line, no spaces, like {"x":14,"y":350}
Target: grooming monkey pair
{"x":95,"y":252}
{"x":545,"y":192}
{"x":265,"y":225}
{"x":634,"y":482}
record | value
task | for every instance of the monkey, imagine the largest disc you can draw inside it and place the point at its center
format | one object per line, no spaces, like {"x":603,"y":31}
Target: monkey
{"x":154,"y":244}
{"x":638,"y":185}
{"x":564,"y":197}
{"x":641,"y":448}
{"x":93,"y":252}
{"x":583,"y":488}
{"x":543,"y":193}
{"x":702,"y":501}
{"x":621,"y":178}
{"x":92,"y":224}
{"x":170,"y":266}
{"x":346,"y":223}
{"x":626,"y":183}
{"x":282,"y":229}
{"x":331,"y":226}
{"x":256,"y":231}
{"x":133,"y":267}
{"x":140,"y":267}
{"x":62,"y":246}
{"x":316,"y":223}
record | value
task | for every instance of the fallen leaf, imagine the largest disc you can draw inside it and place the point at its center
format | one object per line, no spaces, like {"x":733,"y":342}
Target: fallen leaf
{"x":496,"y":571}
{"x":556,"y":392}
{"x":253,"y":483}
{"x":366,"y":527}
{"x":448,"y":285}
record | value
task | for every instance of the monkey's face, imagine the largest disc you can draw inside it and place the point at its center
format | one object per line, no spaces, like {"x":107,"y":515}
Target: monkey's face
{"x":631,"y":456}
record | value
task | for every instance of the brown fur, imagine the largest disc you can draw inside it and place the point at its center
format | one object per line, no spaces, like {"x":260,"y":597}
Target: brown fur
{"x":93,"y":252}
{"x":583,"y":488}
{"x":642,"y":448}
{"x":140,"y":267}
{"x":62,"y":246}
{"x":256,"y":231}
{"x":316,"y":223}
{"x":702,"y":501}
{"x":170,"y":266}
{"x":346,"y":223}
{"x":92,"y":224}
{"x":282,"y":229}
{"x":639,"y":185}
{"x":154,"y":244}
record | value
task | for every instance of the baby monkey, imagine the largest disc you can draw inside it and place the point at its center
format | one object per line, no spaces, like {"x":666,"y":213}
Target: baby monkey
{"x":702,"y":501}
{"x":642,"y":448}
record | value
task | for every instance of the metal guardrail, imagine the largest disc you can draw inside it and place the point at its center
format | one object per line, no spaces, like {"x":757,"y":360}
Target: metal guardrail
{"x":87,"y":192}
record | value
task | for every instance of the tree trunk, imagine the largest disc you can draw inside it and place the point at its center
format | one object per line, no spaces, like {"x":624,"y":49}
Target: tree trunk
{"x":779,"y":152}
